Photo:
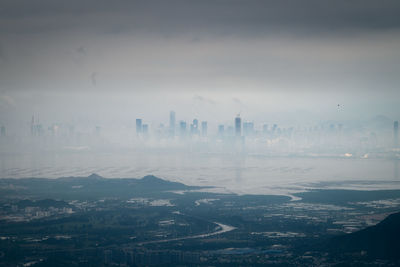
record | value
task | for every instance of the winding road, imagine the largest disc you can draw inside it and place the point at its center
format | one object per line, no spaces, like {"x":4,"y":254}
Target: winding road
{"x":223,"y":229}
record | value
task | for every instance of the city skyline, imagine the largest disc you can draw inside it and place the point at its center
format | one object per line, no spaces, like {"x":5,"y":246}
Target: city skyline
{"x":199,"y":133}
{"x":241,"y":125}
{"x":377,"y":138}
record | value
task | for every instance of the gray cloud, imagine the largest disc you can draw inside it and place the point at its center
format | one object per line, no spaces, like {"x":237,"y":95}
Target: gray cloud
{"x":267,"y":53}
{"x":81,"y":50}
{"x":234,"y":17}
{"x":93,"y":78}
{"x":203,"y":100}
{"x":3,"y":56}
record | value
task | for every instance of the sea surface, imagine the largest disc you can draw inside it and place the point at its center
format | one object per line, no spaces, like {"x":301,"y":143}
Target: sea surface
{"x":236,"y":173}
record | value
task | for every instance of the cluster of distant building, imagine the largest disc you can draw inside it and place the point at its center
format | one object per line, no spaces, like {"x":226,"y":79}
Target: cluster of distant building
{"x":197,"y":128}
{"x":180,"y":129}
{"x":243,"y":129}
{"x":324,"y":137}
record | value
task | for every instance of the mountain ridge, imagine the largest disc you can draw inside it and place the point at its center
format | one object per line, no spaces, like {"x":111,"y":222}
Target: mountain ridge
{"x":380,"y":241}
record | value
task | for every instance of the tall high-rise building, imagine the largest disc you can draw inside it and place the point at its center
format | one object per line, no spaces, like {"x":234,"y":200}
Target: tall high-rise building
{"x":204,"y":128}
{"x":238,"y":126}
{"x":33,"y":125}
{"x":3,"y":130}
{"x":196,"y":123}
{"x":248,"y":128}
{"x":396,"y":133}
{"x":221,"y":130}
{"x":265,"y":128}
{"x":172,"y":121}
{"x":38,"y":129}
{"x":145,"y":129}
{"x":182,"y":128}
{"x":138,"y":126}
{"x":194,"y":127}
{"x":54,"y":129}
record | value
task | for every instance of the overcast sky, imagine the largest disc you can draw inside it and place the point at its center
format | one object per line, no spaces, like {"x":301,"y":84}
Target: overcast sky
{"x":117,"y":60}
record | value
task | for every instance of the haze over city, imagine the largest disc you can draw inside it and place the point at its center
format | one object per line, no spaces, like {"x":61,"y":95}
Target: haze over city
{"x":199,"y":132}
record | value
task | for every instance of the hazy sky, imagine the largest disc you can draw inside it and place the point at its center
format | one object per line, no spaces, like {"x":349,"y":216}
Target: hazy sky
{"x":117,"y":60}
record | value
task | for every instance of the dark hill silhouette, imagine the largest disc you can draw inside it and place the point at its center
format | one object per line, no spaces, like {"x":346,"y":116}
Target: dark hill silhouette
{"x":381,"y":241}
{"x":95,"y":176}
{"x":156,"y":183}
{"x":91,"y":187}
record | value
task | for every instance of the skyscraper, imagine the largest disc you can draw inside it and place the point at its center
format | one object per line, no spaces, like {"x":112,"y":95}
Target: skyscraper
{"x":221,"y":130}
{"x":238,"y":126}
{"x":265,"y":128}
{"x":396,"y":133}
{"x":248,"y":128}
{"x":145,"y":129}
{"x":172,"y":122}
{"x":182,"y":128}
{"x":33,"y":126}
{"x":196,"y":123}
{"x":138,"y":126}
{"x":3,"y":130}
{"x":204,"y":128}
{"x":194,"y":127}
{"x":274,"y":128}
